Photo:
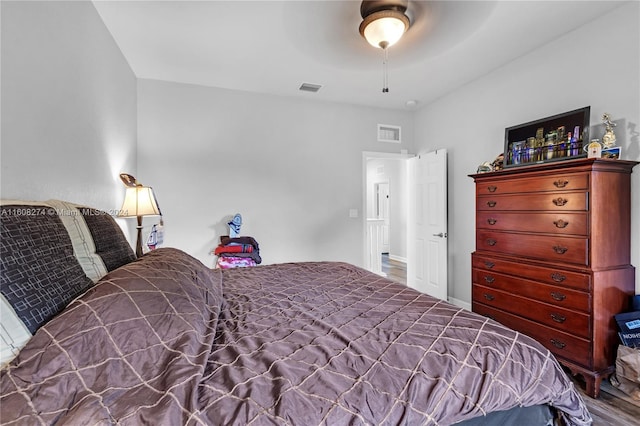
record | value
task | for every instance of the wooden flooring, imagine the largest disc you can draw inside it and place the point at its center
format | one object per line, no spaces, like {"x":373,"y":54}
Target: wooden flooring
{"x":612,"y":408}
{"x":395,"y":270}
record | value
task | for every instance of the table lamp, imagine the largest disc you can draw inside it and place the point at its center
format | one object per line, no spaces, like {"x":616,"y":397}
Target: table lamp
{"x":139,"y":201}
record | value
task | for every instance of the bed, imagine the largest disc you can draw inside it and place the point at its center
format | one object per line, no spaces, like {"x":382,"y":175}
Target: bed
{"x":163,"y":339}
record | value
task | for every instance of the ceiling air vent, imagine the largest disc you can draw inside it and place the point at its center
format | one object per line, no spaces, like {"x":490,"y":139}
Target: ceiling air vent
{"x":308,"y":87}
{"x":388,"y":133}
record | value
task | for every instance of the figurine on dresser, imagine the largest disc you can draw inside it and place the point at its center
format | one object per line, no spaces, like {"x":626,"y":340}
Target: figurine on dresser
{"x":609,"y":138}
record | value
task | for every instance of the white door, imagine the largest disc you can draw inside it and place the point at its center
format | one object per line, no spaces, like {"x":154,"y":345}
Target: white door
{"x":427,"y":224}
{"x":382,"y":212}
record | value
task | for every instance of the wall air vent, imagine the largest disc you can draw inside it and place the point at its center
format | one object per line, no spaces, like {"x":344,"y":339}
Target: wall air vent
{"x":388,"y":133}
{"x":308,"y":87}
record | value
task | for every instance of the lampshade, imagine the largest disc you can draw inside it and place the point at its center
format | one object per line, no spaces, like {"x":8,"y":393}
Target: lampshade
{"x":384,"y":28}
{"x":139,"y":201}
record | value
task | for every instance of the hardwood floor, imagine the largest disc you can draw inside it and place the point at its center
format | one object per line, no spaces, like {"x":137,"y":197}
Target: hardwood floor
{"x":612,"y":408}
{"x":395,"y":270}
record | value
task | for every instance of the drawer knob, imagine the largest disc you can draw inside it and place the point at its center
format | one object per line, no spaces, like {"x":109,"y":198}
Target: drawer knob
{"x":492,"y":221}
{"x":558,"y":318}
{"x":489,"y":279}
{"x":560,"y":183}
{"x":492,"y":203}
{"x":558,"y":344}
{"x":488,"y":296}
{"x":489,"y":264}
{"x":491,"y":242}
{"x":560,"y":201}
{"x":558,"y":296}
{"x":492,"y":188}
{"x":560,"y":249}
{"x":557,"y":277}
{"x":560,"y":224}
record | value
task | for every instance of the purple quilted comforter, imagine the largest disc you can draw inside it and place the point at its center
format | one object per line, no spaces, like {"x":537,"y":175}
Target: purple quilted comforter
{"x":165,"y":340}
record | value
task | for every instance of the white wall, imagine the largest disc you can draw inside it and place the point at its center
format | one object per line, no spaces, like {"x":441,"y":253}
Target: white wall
{"x":597,"y":65}
{"x":291,"y":167}
{"x":68,"y":105}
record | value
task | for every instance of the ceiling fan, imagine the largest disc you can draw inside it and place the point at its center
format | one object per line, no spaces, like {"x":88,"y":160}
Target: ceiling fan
{"x":383,"y":25}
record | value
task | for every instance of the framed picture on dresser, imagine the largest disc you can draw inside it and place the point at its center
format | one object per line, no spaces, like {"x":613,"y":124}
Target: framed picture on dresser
{"x":555,"y":138}
{"x":613,"y":153}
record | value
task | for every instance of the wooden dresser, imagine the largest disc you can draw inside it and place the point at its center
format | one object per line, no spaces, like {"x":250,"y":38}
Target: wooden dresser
{"x":552,"y":257}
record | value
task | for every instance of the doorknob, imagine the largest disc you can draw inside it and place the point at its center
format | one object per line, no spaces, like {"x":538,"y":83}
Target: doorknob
{"x":441,"y":235}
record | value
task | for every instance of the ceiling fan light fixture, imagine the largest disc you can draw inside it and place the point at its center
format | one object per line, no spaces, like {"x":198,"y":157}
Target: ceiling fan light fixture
{"x":384,"y":28}
{"x":383,"y":24}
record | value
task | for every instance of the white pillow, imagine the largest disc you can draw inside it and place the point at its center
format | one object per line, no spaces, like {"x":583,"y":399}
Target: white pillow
{"x":84,"y":247}
{"x":13,"y":333}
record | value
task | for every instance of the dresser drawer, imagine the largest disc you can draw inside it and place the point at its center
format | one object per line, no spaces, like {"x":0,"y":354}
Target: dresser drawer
{"x":563,"y":345}
{"x":553,"y":316}
{"x":549,"y":248}
{"x":554,"y":182}
{"x":550,"y":223}
{"x":575,"y":201}
{"x":543,"y":274}
{"x":554,"y":295}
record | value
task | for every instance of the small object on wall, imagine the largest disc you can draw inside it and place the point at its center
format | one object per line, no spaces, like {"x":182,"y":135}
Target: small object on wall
{"x":594,"y":149}
{"x":234,"y":226}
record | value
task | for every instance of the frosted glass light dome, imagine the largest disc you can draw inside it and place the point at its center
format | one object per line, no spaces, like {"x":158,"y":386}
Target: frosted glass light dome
{"x":384,"y":28}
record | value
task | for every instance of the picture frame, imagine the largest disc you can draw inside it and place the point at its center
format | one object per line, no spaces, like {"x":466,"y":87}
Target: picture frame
{"x":611,"y":153}
{"x":555,"y":138}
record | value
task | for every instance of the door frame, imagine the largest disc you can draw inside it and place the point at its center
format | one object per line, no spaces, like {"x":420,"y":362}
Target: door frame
{"x":371,"y":155}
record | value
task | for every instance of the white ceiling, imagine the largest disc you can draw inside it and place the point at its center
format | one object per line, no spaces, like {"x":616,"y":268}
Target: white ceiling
{"x":275,"y":46}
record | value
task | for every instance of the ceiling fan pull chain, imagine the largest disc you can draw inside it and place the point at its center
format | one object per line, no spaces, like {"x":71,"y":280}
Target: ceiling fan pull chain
{"x":385,"y":72}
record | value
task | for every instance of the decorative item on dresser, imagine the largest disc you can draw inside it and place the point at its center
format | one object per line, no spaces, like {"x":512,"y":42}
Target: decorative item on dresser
{"x":552,"y":257}
{"x":560,"y":137}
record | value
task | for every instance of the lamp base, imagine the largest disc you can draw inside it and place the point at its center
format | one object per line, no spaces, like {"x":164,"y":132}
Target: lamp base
{"x":139,"y":240}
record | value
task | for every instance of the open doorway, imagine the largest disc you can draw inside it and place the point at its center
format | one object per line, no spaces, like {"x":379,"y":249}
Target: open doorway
{"x":417,"y":198}
{"x":385,"y":211}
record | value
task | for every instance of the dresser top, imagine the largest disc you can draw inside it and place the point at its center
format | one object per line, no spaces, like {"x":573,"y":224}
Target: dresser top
{"x":583,"y":164}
